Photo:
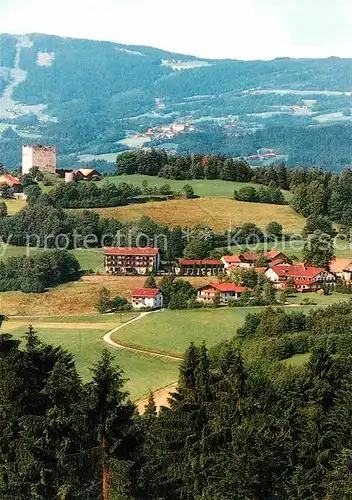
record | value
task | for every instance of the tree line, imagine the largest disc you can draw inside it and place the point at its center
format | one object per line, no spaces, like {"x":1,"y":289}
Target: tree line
{"x":34,"y":274}
{"x":236,"y":427}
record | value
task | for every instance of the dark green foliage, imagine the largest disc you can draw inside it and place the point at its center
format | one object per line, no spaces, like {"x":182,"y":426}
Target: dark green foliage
{"x":318,"y":249}
{"x":274,"y":229}
{"x":3,"y":209}
{"x":33,"y":193}
{"x":177,"y":293}
{"x":234,"y":428}
{"x":150,"y":282}
{"x":35,"y":274}
{"x":89,"y":195}
{"x":269,"y":194}
{"x":105,"y":303}
{"x":197,"y":248}
{"x":188,"y":190}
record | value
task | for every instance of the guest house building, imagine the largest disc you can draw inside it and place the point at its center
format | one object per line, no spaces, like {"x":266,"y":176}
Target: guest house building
{"x":201,"y":267}
{"x":301,"y":277}
{"x":131,"y":260}
{"x":227,"y":292}
{"x":147,"y":297}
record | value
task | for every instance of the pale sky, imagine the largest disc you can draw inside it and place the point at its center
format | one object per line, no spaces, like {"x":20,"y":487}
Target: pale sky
{"x":237,"y":29}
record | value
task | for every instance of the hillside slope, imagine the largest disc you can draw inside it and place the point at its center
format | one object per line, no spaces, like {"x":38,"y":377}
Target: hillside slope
{"x":85,"y":96}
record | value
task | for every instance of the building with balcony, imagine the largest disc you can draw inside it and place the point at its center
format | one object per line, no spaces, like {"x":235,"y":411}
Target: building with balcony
{"x":131,"y":260}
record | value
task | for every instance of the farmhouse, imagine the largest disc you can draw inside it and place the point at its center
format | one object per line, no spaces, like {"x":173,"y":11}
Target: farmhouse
{"x":342,"y":269}
{"x":227,"y":292}
{"x":87,"y":174}
{"x":203,"y":267}
{"x":147,"y":297}
{"x":13,"y":183}
{"x":233,"y":261}
{"x":249,"y":259}
{"x":303,"y":278}
{"x":131,"y":260}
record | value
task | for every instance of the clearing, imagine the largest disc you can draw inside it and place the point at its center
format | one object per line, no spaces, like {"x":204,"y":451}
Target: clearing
{"x":14,"y":206}
{"x":89,"y":259}
{"x":218,"y":213}
{"x":202,"y":187}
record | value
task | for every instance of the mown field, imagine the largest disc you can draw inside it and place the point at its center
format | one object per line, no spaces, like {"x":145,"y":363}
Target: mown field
{"x":202,"y":187}
{"x":89,"y":259}
{"x":170,"y":332}
{"x":76,"y":297}
{"x":84,"y":341}
{"x":218,"y":213}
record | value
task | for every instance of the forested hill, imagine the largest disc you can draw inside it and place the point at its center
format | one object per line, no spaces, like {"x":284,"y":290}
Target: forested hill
{"x":86,"y":95}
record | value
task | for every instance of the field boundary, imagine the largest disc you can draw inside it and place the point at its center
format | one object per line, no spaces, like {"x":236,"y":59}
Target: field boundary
{"x":108,"y":340}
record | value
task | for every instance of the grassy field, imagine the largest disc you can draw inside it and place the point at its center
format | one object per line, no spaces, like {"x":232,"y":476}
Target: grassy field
{"x":202,"y":187}
{"x":14,"y":206}
{"x":296,"y":360}
{"x":88,"y":258}
{"x":76,"y":297}
{"x":84,"y":341}
{"x":218,"y":213}
{"x":172,"y":331}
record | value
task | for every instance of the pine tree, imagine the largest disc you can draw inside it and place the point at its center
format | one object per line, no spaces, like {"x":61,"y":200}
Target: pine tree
{"x":110,"y":413}
{"x":150,"y":282}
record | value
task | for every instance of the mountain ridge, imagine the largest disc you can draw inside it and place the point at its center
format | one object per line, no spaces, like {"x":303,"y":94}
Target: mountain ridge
{"x":85,"y":96}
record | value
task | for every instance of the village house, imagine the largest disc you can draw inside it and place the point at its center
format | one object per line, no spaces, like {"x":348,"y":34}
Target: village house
{"x":249,"y":259}
{"x":14,"y":185}
{"x":87,"y":174}
{"x":303,"y":278}
{"x":131,"y":260}
{"x":227,"y":292}
{"x":147,"y":297}
{"x":234,"y":261}
{"x":342,"y":269}
{"x":200,"y":267}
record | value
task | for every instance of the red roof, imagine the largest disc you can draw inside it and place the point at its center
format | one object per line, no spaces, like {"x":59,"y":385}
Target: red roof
{"x":277,"y":262}
{"x":272,"y":254}
{"x":10,"y":180}
{"x":299,"y":271}
{"x":203,"y":262}
{"x":250,"y":256}
{"x":304,"y":282}
{"x":260,"y":269}
{"x":232,"y":259}
{"x":130,"y":251}
{"x":227,"y":287}
{"x":340,"y":265}
{"x":148,"y":293}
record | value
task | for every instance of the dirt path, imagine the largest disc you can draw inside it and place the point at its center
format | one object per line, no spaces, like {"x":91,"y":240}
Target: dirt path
{"x":160,"y":395}
{"x":107,"y":339}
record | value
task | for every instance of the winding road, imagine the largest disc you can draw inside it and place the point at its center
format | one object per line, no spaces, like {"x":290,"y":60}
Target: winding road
{"x":160,"y":395}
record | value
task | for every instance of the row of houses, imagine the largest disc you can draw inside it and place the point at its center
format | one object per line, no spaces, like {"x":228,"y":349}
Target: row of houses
{"x":276,"y":266}
{"x":142,"y":260}
{"x":142,"y":298}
